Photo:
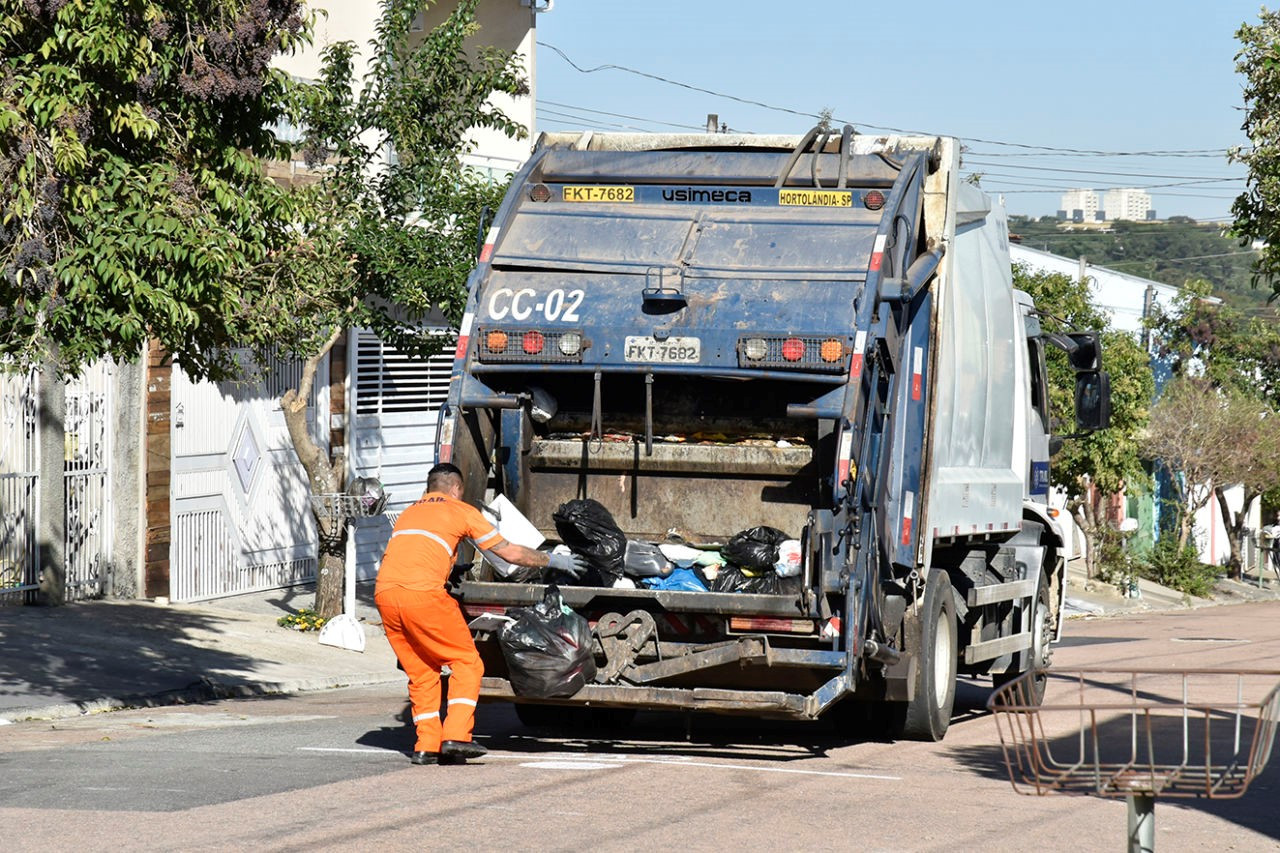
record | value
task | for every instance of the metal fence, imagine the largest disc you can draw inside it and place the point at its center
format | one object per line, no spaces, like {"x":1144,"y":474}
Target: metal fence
{"x":19,"y":479}
{"x":87,"y":456}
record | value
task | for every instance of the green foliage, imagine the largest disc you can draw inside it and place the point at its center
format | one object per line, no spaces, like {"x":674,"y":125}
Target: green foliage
{"x":1111,"y":458}
{"x":305,"y":619}
{"x":1116,"y":562}
{"x":1174,"y":252}
{"x":400,"y":233}
{"x":132,"y":198}
{"x":1179,"y":567}
{"x":1200,"y":335}
{"x":1257,"y":210}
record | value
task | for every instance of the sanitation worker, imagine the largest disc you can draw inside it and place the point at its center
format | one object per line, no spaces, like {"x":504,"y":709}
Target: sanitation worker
{"x":424,"y":624}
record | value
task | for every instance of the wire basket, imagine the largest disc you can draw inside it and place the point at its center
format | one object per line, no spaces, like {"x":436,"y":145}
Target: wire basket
{"x":1120,"y":733}
{"x":337,"y":508}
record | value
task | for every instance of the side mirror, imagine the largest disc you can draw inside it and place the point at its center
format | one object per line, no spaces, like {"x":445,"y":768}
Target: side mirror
{"x":1093,"y":400}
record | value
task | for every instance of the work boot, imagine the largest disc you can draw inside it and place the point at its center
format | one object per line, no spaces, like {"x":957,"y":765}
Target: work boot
{"x":420,"y":757}
{"x":458,"y":751}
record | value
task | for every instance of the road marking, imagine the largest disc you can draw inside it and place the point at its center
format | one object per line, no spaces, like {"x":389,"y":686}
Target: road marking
{"x":571,"y":765}
{"x":575,"y":761}
{"x":685,"y":761}
{"x":349,"y":749}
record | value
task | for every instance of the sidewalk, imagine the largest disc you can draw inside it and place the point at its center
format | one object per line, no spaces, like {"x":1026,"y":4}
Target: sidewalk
{"x":103,"y":655}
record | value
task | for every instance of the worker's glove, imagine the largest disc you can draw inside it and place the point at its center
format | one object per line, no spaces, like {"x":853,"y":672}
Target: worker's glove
{"x":570,"y":564}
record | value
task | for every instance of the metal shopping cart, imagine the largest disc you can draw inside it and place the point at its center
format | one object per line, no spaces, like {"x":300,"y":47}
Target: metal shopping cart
{"x":1139,"y":734}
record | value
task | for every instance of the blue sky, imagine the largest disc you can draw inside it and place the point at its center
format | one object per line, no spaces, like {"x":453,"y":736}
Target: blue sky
{"x":1119,"y":76}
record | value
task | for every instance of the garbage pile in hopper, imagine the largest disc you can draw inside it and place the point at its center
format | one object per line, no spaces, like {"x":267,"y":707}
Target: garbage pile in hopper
{"x":762,"y":560}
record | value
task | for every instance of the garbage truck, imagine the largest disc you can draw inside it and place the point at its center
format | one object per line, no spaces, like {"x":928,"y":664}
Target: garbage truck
{"x":819,"y":334}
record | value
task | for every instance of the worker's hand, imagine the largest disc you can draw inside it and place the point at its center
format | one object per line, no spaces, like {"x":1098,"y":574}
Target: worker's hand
{"x":570,"y":564}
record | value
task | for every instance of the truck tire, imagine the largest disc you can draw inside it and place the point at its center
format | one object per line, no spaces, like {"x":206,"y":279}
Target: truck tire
{"x":927,"y":716}
{"x":1038,"y":656}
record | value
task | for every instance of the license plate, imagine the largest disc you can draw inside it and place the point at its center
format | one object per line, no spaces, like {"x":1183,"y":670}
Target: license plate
{"x":667,"y":351}
{"x":599,"y":194}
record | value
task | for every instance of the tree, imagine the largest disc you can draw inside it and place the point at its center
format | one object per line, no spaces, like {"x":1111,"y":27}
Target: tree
{"x":392,"y":223}
{"x":1105,"y":462}
{"x":1251,"y":460}
{"x":1239,"y":355}
{"x":1257,"y":210}
{"x":1199,"y":430}
{"x":133,"y":203}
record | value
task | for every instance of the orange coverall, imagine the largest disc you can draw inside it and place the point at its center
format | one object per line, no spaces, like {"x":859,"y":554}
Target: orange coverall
{"x":423,"y":623}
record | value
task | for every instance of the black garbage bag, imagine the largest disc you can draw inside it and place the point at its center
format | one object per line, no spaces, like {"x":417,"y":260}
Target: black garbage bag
{"x":735,"y":579}
{"x":755,"y":548}
{"x":590,"y":532}
{"x":548,"y":648}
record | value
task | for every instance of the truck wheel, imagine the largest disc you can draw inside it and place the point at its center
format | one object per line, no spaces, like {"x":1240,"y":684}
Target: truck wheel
{"x":1041,"y":650}
{"x":929,"y":713}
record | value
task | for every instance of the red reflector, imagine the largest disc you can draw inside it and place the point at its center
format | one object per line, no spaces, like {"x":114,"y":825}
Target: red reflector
{"x":793,"y":349}
{"x":873,"y":200}
{"x":533,"y":342}
{"x":540,"y":193}
{"x":764,"y":623}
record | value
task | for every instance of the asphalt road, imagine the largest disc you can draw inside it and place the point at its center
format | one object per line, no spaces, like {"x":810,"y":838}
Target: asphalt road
{"x":328,"y":771}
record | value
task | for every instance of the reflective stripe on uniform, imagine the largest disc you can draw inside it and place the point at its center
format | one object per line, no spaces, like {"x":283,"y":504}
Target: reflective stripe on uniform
{"x":427,"y":533}
{"x":470,"y":702}
{"x":419,"y":717}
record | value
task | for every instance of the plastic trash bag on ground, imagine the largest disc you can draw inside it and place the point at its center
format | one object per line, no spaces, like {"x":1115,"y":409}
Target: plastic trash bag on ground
{"x":680,"y":580}
{"x":590,"y":531}
{"x":755,"y":548}
{"x":548,"y":648}
{"x":643,"y":560}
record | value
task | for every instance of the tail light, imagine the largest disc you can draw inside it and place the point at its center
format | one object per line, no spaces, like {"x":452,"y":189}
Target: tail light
{"x":794,"y":352}
{"x":532,"y":345}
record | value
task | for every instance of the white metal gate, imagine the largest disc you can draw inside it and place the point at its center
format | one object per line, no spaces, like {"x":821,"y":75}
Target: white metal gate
{"x":19,"y":481}
{"x":87,"y":452}
{"x":240,"y":515}
{"x":395,"y":402}
{"x":87,"y":455}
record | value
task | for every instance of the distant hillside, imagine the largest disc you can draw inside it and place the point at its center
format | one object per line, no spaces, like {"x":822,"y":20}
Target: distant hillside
{"x":1173,"y":252}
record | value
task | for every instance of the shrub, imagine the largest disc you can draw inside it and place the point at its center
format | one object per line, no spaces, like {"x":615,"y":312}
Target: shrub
{"x":1179,"y":568}
{"x":305,"y":619}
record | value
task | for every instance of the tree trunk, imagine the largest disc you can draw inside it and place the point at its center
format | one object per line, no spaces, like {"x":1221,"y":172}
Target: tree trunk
{"x":1086,"y":515}
{"x":1234,"y":524}
{"x":323,"y":478}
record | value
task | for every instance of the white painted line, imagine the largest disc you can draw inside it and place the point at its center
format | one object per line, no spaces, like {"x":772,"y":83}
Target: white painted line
{"x":579,"y":761}
{"x":338,"y":749}
{"x":686,"y":761}
{"x":570,"y":765}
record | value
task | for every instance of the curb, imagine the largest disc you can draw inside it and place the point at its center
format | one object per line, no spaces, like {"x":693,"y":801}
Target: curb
{"x":204,"y":690}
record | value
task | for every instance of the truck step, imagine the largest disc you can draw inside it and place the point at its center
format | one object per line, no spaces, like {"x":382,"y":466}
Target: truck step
{"x":765,"y":703}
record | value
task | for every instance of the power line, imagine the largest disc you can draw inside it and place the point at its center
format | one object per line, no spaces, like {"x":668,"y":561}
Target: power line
{"x":802,"y":113}
{"x":970,"y":163}
{"x":621,"y":115}
{"x":1156,"y":261}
